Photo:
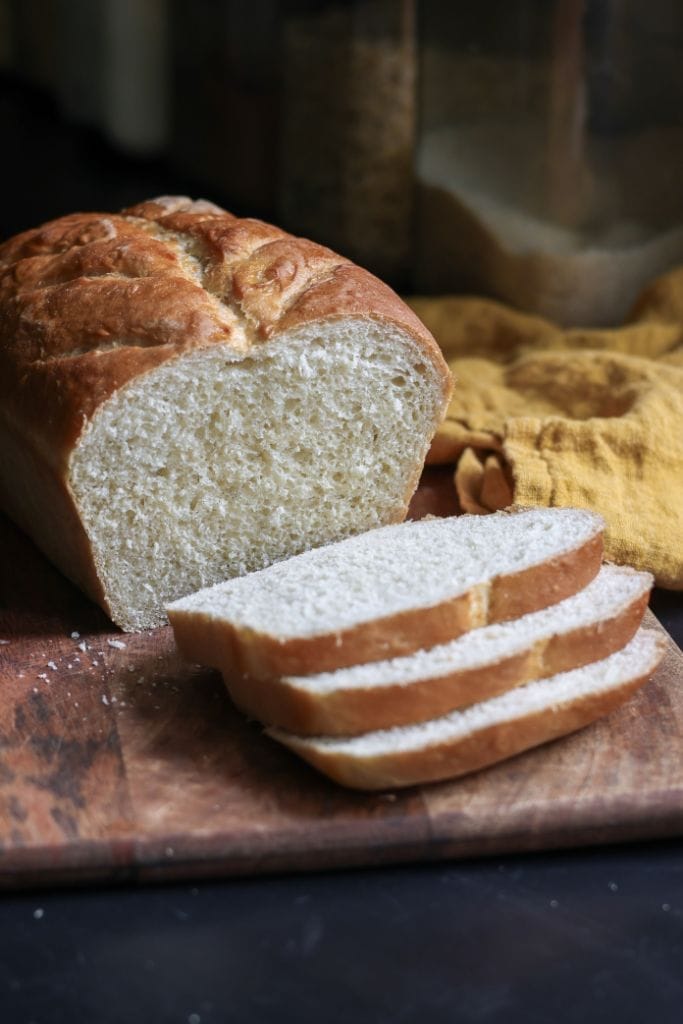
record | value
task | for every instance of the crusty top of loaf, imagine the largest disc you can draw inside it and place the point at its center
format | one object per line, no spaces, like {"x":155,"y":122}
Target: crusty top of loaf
{"x":92,"y":300}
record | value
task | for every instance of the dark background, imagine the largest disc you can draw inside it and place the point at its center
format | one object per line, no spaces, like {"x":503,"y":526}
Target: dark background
{"x":567,"y":937}
{"x":51,"y":166}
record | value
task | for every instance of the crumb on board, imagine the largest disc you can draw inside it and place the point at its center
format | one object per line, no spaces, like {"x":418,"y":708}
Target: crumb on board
{"x":118,"y":644}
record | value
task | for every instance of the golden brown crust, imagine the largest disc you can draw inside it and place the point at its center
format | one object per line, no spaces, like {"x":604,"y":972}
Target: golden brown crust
{"x":42,"y":503}
{"x":348,"y":712}
{"x":263,"y":656}
{"x":519,"y":593}
{"x":259,"y":655}
{"x":471,"y":753}
{"x":90,"y":301}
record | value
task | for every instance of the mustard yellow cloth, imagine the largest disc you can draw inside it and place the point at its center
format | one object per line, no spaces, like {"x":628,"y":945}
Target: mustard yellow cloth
{"x":590,"y":418}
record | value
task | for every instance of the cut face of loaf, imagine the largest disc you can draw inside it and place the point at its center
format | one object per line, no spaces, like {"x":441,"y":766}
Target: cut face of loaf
{"x":587,"y":627}
{"x":210,"y":467}
{"x":389,"y":592}
{"x":485,"y":733}
{"x":186,"y":396}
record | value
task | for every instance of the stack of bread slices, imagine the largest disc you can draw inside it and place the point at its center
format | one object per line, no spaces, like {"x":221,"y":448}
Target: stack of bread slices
{"x":429,"y":649}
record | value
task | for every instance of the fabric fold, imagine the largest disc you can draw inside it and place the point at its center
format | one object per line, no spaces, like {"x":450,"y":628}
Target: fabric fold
{"x":586,"y":418}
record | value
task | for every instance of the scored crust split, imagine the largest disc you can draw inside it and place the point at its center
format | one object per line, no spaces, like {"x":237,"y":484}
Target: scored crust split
{"x":187,"y":396}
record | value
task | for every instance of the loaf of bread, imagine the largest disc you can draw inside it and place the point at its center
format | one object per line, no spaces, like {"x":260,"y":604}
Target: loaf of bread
{"x":486,"y":732}
{"x":186,"y":396}
{"x":389,"y":592}
{"x":484,"y":662}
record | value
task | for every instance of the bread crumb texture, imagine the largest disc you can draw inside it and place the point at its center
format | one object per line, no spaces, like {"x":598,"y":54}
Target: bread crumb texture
{"x":222,"y":467}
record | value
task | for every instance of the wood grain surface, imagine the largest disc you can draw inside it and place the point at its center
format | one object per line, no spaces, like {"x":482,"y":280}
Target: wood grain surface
{"x":118,"y":761}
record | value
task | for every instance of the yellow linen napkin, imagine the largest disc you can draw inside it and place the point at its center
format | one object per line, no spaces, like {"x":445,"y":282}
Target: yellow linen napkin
{"x":591,"y":418}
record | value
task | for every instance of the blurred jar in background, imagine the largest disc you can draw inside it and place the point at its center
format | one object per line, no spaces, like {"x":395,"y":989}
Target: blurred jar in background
{"x":348,"y":128}
{"x":550,"y":151}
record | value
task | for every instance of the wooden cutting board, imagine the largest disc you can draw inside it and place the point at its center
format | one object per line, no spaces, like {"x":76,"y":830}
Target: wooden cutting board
{"x":117,"y":761}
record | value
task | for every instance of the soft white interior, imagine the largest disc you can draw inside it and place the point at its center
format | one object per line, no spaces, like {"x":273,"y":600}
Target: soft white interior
{"x":612,"y":589}
{"x":213,"y":465}
{"x":411,"y":565}
{"x":636,"y":659}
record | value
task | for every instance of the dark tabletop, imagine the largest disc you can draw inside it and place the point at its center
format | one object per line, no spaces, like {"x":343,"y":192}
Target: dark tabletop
{"x":587,"y":935}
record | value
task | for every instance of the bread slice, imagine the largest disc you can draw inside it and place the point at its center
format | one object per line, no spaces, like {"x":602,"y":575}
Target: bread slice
{"x":186,"y":396}
{"x":389,"y":592}
{"x":587,"y":627}
{"x":467,"y":740}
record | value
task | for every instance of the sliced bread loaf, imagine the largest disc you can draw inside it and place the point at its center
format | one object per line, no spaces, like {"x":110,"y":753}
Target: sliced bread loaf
{"x":487,"y":661}
{"x":390,"y":591}
{"x":467,"y":740}
{"x":186,"y":396}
